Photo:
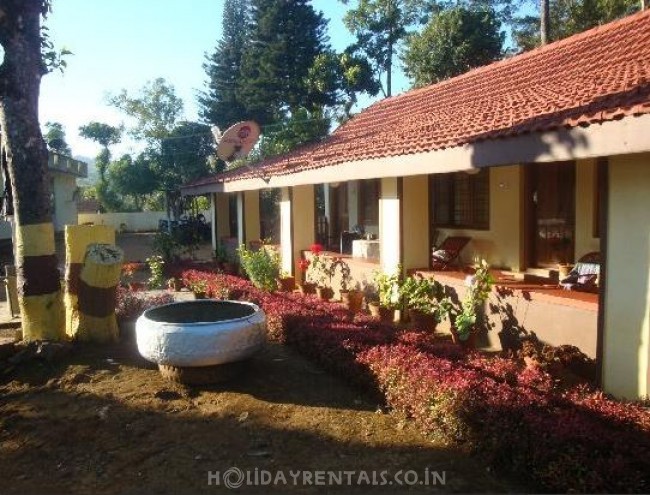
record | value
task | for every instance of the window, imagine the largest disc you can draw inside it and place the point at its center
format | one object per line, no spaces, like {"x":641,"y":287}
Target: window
{"x":369,"y":202}
{"x":461,"y":200}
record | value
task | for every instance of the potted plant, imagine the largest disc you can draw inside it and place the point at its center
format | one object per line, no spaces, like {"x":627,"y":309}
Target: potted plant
{"x":562,"y":245}
{"x":322,"y":272}
{"x":464,"y":322}
{"x":306,"y":287}
{"x":286,"y":282}
{"x":423,"y":298}
{"x":389,"y":290}
{"x":351,"y":298}
{"x":199,"y":288}
{"x":174,"y":284}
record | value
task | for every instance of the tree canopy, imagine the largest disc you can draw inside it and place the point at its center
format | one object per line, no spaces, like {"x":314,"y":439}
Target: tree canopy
{"x":55,"y":138}
{"x":380,"y":26}
{"x":453,"y":42}
{"x":220,"y":104}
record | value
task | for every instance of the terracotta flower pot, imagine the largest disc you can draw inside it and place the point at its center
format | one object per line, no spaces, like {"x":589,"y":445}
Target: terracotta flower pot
{"x":307,"y":288}
{"x":287,"y":284}
{"x":373,"y":307}
{"x":175,"y":285}
{"x":352,"y":300}
{"x":469,"y":343}
{"x":324,"y":293}
{"x":423,"y":321}
{"x":199,"y":294}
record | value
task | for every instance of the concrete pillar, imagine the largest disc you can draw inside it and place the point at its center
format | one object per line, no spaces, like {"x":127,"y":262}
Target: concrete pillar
{"x":415,"y":221}
{"x":327,"y":202}
{"x":286,"y":240}
{"x":390,"y":255}
{"x":252,"y":215}
{"x":304,"y":221}
{"x":241,"y":233}
{"x":626,"y":332}
{"x":353,"y":203}
{"x":221,"y":225}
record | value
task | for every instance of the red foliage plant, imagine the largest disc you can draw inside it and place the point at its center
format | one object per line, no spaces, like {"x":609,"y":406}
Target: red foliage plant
{"x":316,"y":248}
{"x":576,"y":440}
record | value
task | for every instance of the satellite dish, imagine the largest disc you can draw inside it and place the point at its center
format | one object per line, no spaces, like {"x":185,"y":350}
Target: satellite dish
{"x":237,"y":141}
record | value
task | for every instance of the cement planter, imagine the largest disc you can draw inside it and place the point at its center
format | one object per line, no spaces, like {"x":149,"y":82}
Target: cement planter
{"x":200,"y":334}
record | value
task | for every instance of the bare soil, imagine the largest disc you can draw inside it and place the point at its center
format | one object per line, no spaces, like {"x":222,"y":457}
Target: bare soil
{"x":105,"y":421}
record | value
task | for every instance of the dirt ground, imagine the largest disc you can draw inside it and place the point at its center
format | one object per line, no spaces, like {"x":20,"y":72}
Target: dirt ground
{"x":104,"y":421}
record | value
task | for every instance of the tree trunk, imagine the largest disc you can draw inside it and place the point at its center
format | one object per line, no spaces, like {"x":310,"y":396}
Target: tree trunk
{"x":39,"y":286}
{"x":544,"y":21}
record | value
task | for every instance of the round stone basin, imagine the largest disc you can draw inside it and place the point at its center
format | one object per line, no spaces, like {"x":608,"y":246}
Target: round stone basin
{"x":200,"y":333}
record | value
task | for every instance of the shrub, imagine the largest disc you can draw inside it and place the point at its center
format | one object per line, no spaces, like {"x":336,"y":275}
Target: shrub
{"x":261,"y":266}
{"x":574,"y":440}
{"x":130,"y":305}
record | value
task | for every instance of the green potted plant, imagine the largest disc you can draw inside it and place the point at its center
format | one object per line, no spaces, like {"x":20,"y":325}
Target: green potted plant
{"x":465,"y":321}
{"x":261,"y":266}
{"x":389,"y":291}
{"x":321,"y":267}
{"x":351,"y":298}
{"x":199,"y":288}
{"x":423,"y":298}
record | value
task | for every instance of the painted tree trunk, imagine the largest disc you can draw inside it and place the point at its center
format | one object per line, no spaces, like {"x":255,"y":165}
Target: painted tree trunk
{"x":97,"y":294}
{"x":39,"y":287}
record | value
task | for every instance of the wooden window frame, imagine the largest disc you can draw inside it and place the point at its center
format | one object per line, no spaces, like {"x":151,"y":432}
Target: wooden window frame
{"x":474,"y":203}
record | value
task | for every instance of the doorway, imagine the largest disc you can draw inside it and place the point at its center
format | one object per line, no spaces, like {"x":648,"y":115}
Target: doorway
{"x":550,"y":201}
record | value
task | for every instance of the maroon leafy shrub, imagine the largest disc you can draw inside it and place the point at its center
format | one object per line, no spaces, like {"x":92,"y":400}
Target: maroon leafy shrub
{"x":130,"y":304}
{"x":575,"y":440}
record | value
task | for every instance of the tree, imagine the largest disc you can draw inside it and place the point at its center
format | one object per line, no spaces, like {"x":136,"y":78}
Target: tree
{"x":55,"y":138}
{"x":339,"y":78}
{"x":380,"y":26}
{"x":220,"y":104}
{"x":26,"y":53}
{"x":453,"y":42}
{"x":183,"y":157}
{"x":156,"y":110}
{"x":285,"y":39}
{"x":133,"y":178}
{"x":568,"y":17}
{"x":105,"y":135}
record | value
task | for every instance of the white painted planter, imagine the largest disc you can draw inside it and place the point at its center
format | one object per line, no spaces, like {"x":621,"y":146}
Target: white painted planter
{"x":185,"y":341}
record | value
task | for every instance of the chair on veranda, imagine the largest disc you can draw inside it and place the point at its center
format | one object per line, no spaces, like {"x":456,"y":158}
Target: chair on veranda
{"x":448,"y":252}
{"x":584,"y":276}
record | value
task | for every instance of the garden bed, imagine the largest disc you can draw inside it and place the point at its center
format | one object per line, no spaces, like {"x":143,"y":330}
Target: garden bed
{"x":559,"y":439}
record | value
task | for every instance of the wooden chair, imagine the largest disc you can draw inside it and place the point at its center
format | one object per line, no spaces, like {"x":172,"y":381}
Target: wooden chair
{"x":448,"y":252}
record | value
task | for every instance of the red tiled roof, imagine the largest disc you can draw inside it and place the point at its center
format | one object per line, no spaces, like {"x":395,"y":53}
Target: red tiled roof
{"x":600,"y":75}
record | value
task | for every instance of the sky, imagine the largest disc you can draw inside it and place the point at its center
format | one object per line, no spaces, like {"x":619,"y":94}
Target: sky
{"x":120,"y":44}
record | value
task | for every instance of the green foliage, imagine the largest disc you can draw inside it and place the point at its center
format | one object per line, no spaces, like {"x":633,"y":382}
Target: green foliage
{"x":380,"y":26}
{"x":340,"y":77}
{"x":167,"y":246}
{"x":478,"y":291}
{"x":132,"y":178}
{"x":104,"y":134}
{"x":453,"y":42}
{"x":427,"y":296}
{"x":389,"y":287}
{"x":156,"y":268}
{"x":156,"y":110}
{"x":568,"y":17}
{"x":55,"y":138}
{"x":220,"y":105}
{"x":261,"y":266}
{"x":284,"y":41}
